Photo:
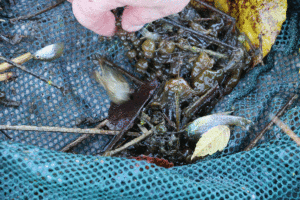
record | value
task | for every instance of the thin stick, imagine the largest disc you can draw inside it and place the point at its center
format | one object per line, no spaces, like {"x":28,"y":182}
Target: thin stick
{"x":63,"y":130}
{"x":195,"y":106}
{"x":146,"y":133}
{"x":199,"y":50}
{"x":261,"y":54}
{"x":74,"y":143}
{"x":82,"y":137}
{"x":203,"y":19}
{"x":177,"y":111}
{"x":168,"y":120}
{"x":216,"y":10}
{"x":285,"y":129}
{"x":103,"y":123}
{"x":6,"y":134}
{"x":149,"y":123}
{"x":31,"y":73}
{"x":270,"y":124}
{"x":4,"y":38}
{"x":220,"y":43}
{"x":38,"y":13}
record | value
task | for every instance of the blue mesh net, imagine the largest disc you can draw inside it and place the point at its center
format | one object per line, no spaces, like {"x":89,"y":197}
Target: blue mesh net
{"x":32,"y":167}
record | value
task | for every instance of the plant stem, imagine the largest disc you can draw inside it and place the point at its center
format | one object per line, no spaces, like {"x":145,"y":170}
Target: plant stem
{"x":199,"y":50}
{"x":285,"y":129}
{"x":63,"y":130}
{"x":217,"y":42}
{"x":31,"y":73}
{"x":36,"y":14}
{"x":146,"y":133}
{"x":270,"y":124}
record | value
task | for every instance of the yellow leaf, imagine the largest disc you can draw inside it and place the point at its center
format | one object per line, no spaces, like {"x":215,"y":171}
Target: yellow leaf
{"x":255,"y":17}
{"x":215,"y":139}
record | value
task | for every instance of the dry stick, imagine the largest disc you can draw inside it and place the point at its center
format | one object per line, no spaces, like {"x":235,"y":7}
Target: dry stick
{"x":285,"y":129}
{"x":38,"y":13}
{"x":101,"y":124}
{"x":4,"y":38}
{"x":261,"y":55}
{"x":31,"y":73}
{"x":81,"y":138}
{"x":63,"y":130}
{"x":177,"y":111}
{"x":195,"y":106}
{"x":217,"y":42}
{"x":6,"y":134}
{"x":74,"y":143}
{"x":204,"y":19}
{"x":216,"y":10}
{"x":168,"y":120}
{"x":270,"y":124}
{"x":199,"y":50}
{"x":149,"y":123}
{"x":146,"y":133}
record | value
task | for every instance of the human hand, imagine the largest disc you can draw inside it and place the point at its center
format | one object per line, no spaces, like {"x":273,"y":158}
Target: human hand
{"x":96,"y":16}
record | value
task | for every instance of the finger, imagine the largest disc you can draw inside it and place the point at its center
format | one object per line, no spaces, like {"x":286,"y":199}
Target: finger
{"x":94,"y":16}
{"x":134,"y":18}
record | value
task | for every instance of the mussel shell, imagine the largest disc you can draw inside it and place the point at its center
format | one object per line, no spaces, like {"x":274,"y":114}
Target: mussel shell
{"x":148,"y":46}
{"x":166,"y":47}
{"x":202,"y":63}
{"x":206,"y":80}
{"x":142,"y":65}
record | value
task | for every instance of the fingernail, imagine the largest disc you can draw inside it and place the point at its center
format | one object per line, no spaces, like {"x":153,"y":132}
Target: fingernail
{"x":134,"y":28}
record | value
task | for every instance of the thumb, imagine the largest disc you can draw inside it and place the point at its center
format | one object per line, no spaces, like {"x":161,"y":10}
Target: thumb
{"x":134,"y":18}
{"x":94,"y":17}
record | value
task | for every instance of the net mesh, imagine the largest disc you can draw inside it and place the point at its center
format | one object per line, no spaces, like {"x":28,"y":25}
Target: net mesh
{"x":33,"y":168}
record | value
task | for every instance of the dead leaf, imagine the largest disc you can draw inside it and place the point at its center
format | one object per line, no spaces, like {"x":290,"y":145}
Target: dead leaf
{"x":255,"y":17}
{"x":215,"y":139}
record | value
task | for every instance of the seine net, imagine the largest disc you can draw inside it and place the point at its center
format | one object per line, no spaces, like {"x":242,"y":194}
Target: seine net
{"x":33,"y":168}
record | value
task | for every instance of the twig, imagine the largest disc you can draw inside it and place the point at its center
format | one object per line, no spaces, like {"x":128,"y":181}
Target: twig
{"x":31,"y":73}
{"x":6,"y":134}
{"x":261,"y":54}
{"x":195,"y":106}
{"x":82,"y":137}
{"x":270,"y":124}
{"x":168,"y":120}
{"x":177,"y":111}
{"x":147,"y":91}
{"x":103,"y":123}
{"x":149,"y":123}
{"x":285,"y":128}
{"x":203,"y":19}
{"x":38,"y":13}
{"x":74,"y":143}
{"x":63,"y":130}
{"x":216,"y":10}
{"x":4,"y":38}
{"x":146,"y":133}
{"x":199,"y":50}
{"x":198,"y":33}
